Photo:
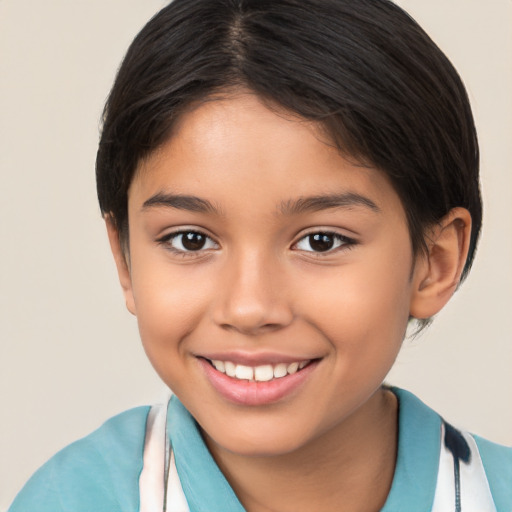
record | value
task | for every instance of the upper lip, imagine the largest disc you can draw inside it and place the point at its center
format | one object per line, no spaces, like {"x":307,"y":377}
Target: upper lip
{"x":254,"y":358}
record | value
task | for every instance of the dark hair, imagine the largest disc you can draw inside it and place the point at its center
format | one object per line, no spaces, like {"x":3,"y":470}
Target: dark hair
{"x":364,"y":69}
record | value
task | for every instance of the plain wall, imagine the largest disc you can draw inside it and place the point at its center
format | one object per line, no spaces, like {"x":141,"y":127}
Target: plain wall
{"x":70,"y":355}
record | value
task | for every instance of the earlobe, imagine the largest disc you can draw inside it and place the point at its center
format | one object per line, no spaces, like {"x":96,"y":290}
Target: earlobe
{"x":123,"y":268}
{"x":437,"y":273}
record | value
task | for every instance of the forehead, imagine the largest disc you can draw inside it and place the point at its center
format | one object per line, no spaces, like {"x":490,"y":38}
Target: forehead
{"x":239,"y":152}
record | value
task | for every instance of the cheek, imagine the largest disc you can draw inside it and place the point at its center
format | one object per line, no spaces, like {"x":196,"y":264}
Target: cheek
{"x":169,"y":301}
{"x":361,"y":307}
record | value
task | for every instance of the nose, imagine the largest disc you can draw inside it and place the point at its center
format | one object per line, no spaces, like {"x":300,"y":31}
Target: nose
{"x":252,"y":296}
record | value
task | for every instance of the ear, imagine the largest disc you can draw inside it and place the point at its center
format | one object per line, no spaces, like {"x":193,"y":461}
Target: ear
{"x":123,"y":266}
{"x":437,"y":273}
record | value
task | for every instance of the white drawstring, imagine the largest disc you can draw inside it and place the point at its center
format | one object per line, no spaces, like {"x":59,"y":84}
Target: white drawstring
{"x":475,"y":495}
{"x":159,"y":484}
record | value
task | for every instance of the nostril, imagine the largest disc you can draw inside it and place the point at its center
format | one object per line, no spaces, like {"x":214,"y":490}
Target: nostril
{"x":251,"y":328}
{"x":250,"y":300}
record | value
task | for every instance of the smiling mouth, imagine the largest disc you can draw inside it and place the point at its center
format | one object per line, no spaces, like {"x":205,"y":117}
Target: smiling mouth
{"x":262,"y":373}
{"x":258,"y":384}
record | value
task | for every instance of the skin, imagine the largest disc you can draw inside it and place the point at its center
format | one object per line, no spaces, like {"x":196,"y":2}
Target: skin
{"x":257,"y":287}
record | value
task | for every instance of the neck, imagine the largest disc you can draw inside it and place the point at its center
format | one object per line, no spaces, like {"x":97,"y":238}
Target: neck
{"x":349,"y":468}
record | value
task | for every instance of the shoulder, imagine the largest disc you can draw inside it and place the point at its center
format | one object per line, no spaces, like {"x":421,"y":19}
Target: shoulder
{"x":420,"y":430}
{"x":497,"y":462}
{"x":99,"y":472}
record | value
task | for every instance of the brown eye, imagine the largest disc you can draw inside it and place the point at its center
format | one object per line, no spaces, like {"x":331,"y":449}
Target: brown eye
{"x":188,"y":241}
{"x":193,"y":241}
{"x":323,"y":242}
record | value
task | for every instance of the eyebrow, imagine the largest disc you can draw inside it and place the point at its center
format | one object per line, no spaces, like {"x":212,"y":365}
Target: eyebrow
{"x":325,"y":202}
{"x":290,"y":207}
{"x":180,"y":202}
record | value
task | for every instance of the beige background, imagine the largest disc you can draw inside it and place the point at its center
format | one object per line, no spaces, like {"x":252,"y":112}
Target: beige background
{"x":70,"y":356}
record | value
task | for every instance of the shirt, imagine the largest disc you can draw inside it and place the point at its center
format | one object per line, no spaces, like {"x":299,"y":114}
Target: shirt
{"x":101,"y":471}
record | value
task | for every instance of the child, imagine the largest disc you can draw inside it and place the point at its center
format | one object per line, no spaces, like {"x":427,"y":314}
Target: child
{"x":286,"y":186}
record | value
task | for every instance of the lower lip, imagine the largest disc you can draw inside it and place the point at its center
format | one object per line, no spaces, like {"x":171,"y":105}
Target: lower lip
{"x":245,"y":392}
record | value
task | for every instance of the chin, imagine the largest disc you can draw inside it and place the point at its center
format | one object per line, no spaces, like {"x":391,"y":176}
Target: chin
{"x":258,"y":442}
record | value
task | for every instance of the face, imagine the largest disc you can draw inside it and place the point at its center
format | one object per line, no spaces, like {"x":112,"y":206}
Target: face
{"x":271,"y":277}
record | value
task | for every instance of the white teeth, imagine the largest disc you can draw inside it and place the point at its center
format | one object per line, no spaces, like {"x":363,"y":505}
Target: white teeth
{"x":244,"y":372}
{"x":263,"y":373}
{"x":230,"y":368}
{"x":292,"y":368}
{"x":280,"y":370}
{"x":219,"y":365}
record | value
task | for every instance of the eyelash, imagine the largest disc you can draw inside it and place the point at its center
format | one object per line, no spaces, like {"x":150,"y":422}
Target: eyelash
{"x":168,"y":239}
{"x":339,"y":242}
